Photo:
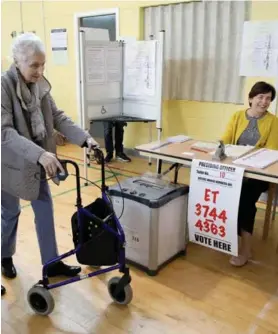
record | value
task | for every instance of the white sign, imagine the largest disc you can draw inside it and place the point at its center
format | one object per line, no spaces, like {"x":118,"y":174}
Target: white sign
{"x":103,"y":64}
{"x":59,"y":39}
{"x":259,"y":53}
{"x":95,"y":65}
{"x":213,"y":205}
{"x":139,"y":71}
{"x":114,"y":64}
{"x":59,"y":46}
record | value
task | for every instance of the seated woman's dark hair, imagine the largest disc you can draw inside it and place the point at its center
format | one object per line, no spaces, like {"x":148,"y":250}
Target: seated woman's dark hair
{"x":262,"y":87}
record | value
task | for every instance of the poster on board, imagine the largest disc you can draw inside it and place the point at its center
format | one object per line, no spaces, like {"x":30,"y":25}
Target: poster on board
{"x":103,"y":64}
{"x":139,"y":69}
{"x":213,"y":205}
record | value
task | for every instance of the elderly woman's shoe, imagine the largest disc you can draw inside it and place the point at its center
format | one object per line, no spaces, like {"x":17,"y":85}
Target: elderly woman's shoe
{"x":8,"y":268}
{"x":61,"y":269}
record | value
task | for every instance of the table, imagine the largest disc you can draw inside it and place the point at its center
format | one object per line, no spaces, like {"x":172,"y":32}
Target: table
{"x":174,"y":153}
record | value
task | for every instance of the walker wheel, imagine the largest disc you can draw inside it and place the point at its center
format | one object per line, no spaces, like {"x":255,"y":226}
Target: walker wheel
{"x":124,"y":296}
{"x":40,"y":300}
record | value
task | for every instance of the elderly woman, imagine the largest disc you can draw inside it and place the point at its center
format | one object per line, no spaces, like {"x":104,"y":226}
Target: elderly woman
{"x":257,"y":127}
{"x":29,"y":118}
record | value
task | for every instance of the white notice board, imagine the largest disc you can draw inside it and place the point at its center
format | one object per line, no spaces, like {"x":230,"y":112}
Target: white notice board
{"x":102,"y":79}
{"x":213,"y":205}
{"x":143,"y":74}
{"x":121,"y":79}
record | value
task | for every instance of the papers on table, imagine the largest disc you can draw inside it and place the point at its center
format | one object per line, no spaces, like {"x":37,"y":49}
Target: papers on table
{"x":236,"y":151}
{"x":261,"y":158}
{"x":178,"y":139}
{"x":170,"y":140}
{"x":204,"y":145}
{"x":159,"y":144}
{"x":190,"y":154}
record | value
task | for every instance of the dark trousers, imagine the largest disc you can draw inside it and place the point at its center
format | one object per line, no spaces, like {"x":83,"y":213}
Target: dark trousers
{"x":250,"y":193}
{"x":119,"y":136}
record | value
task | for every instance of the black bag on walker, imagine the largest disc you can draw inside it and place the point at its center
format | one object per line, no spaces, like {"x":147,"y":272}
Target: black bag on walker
{"x":98,"y":246}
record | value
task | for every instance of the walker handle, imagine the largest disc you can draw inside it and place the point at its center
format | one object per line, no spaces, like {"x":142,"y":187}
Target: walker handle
{"x":63,"y":176}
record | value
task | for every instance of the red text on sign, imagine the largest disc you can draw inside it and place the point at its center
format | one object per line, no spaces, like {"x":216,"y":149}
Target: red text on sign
{"x":211,"y":194}
{"x":206,"y":211}
{"x":209,"y":226}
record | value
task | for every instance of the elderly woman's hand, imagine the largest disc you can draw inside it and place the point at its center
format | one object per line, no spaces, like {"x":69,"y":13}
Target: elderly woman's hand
{"x":91,"y":143}
{"x":50,"y":163}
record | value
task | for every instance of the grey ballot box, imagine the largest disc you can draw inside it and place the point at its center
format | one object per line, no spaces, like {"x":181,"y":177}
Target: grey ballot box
{"x":154,"y":219}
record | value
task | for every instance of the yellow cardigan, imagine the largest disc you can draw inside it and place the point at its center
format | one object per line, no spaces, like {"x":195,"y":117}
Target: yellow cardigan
{"x":268,"y":128}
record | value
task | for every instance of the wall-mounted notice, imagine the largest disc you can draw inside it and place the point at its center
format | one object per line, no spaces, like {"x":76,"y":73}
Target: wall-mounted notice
{"x":259,"y":53}
{"x":59,"y":46}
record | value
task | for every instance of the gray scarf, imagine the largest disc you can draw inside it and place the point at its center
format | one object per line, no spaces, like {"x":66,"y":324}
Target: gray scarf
{"x":30,"y":98}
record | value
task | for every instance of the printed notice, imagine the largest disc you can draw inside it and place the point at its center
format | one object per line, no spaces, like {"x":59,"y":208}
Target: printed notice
{"x":95,"y":65}
{"x":139,"y":69}
{"x":213,"y":205}
{"x":59,"y":46}
{"x":114,"y":64}
{"x":103,"y":65}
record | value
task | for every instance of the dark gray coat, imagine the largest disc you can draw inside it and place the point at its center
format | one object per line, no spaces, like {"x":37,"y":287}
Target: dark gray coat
{"x":20,"y":168}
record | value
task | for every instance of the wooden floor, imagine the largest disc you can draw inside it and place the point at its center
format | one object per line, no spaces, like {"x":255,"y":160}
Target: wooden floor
{"x":200,"y":293}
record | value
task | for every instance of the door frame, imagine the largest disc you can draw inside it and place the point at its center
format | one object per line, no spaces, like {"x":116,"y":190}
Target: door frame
{"x":77,"y":17}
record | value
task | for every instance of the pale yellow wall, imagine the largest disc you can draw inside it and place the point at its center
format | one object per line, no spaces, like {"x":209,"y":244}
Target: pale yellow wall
{"x":201,"y":120}
{"x":10,"y":17}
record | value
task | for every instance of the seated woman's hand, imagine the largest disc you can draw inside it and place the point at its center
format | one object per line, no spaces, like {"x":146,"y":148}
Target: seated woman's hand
{"x":50,"y":163}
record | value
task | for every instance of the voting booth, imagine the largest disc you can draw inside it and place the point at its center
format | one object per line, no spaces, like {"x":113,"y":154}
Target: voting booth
{"x":121,"y":81}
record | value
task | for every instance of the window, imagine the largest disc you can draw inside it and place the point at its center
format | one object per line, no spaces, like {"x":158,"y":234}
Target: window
{"x":107,"y":21}
{"x":202,"y":48}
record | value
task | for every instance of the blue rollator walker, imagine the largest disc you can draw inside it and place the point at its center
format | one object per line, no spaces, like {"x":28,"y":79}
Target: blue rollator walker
{"x":99,"y":240}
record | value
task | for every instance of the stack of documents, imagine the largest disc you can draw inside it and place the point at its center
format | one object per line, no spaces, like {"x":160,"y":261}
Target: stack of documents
{"x":259,"y":159}
{"x":236,"y":151}
{"x":178,"y":139}
{"x":205,"y":145}
{"x":170,"y":140}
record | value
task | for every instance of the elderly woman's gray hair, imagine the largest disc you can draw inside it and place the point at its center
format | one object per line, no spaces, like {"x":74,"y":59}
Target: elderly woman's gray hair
{"x":25,"y":46}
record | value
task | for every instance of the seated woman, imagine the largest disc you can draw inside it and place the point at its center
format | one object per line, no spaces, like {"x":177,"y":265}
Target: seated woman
{"x":257,"y":127}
